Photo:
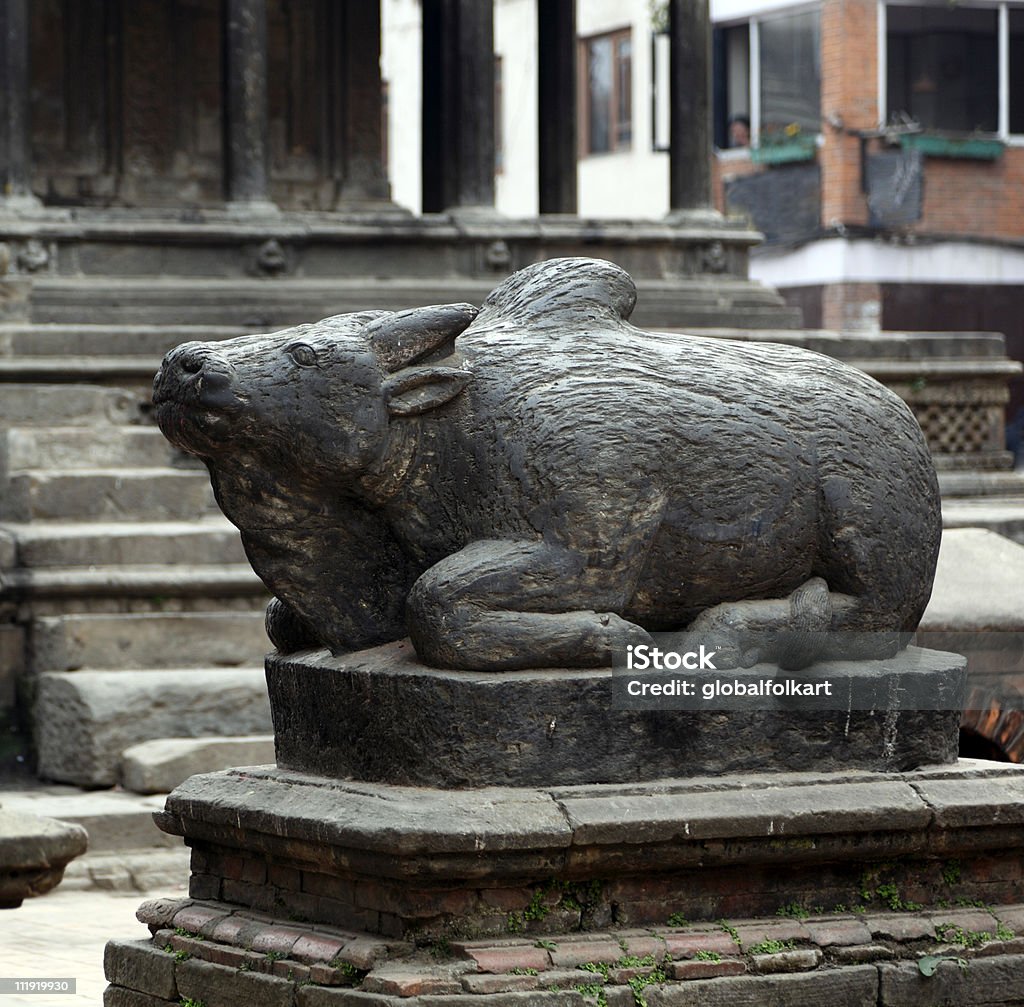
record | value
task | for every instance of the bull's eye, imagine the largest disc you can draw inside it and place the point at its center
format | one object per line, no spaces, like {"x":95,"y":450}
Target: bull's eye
{"x":303,"y":355}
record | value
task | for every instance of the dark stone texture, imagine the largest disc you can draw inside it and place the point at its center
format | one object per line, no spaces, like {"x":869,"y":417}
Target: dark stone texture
{"x":984,"y":981}
{"x":689,"y":111}
{"x":405,"y":723}
{"x":139,"y":966}
{"x":458,"y":105}
{"x":33,"y":854}
{"x":229,"y":987}
{"x":15,"y":151}
{"x":119,"y":996}
{"x":245,"y":89}
{"x":355,"y":42}
{"x":850,"y":987}
{"x":546,"y":487}
{"x":556,"y":106}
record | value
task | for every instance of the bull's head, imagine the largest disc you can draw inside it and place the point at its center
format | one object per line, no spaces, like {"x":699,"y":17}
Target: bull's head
{"x":314,"y":401}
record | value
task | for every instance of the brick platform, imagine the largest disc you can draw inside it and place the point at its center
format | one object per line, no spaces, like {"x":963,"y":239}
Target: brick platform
{"x":223,"y":956}
{"x":418,"y":864}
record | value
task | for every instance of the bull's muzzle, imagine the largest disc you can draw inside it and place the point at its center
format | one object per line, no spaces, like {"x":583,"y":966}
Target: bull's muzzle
{"x":194,"y":374}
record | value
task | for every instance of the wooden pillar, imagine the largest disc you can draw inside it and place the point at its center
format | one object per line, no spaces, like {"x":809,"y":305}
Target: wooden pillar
{"x":359,"y":146}
{"x":246,"y":139}
{"x":689,"y":112}
{"x":458,"y":105}
{"x":15,"y":137}
{"x":556,"y":105}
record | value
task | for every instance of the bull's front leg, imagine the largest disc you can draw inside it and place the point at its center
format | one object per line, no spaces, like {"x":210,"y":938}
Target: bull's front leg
{"x":501,"y":605}
{"x":287,"y":630}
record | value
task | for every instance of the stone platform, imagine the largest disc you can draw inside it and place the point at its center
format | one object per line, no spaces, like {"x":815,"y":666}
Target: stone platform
{"x":870,"y":957}
{"x":408,"y":724}
{"x":802,"y":889}
{"x":426,"y":865}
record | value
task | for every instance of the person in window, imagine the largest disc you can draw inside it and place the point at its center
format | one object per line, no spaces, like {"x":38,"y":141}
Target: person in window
{"x":739,"y":131}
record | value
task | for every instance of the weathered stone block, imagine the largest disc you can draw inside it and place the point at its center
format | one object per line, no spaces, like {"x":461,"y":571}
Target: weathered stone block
{"x":707,"y":969}
{"x":853,"y":987}
{"x":498,"y":983}
{"x":984,"y":981}
{"x":86,"y":719}
{"x":796,"y":960}
{"x":140,"y":966}
{"x":118,"y":996}
{"x":321,"y":996}
{"x":159,"y":765}
{"x":217,"y":986}
{"x":403,"y":736}
{"x":33,"y":854}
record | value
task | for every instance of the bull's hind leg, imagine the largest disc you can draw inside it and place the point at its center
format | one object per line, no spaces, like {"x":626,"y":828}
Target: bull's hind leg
{"x":500,"y":605}
{"x":792,"y":632}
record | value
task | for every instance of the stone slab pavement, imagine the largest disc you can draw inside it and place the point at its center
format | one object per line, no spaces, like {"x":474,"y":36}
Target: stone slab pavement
{"x":62,"y":935}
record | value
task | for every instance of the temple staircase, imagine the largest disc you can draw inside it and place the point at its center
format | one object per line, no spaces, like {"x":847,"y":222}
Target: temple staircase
{"x":126,"y":596}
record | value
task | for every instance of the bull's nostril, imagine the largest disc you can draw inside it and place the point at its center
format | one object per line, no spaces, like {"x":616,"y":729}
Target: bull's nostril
{"x":192,"y":364}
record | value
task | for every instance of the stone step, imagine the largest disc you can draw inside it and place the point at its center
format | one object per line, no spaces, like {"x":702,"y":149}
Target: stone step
{"x":103,"y":370}
{"x":84,"y":720}
{"x":158,"y":766}
{"x":981,"y":484}
{"x":1005,"y":516}
{"x":140,"y":871}
{"x":261,"y":304}
{"x":95,"y":583}
{"x":209,"y":540}
{"x":148,"y":640}
{"x":104,"y":340}
{"x":246,"y":304}
{"x":115,"y":821}
{"x":72,"y":405}
{"x":90,"y":448}
{"x":156,"y":494}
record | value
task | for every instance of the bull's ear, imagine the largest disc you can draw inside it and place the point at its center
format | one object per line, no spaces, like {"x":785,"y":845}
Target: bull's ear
{"x":416,"y":390}
{"x":402,"y":338}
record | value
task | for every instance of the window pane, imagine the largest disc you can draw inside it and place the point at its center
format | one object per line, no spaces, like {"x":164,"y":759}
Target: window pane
{"x":1017,"y":71}
{"x":599,"y":72}
{"x":942,"y":66}
{"x":791,"y":72}
{"x":731,"y":85}
{"x":624,"y":92}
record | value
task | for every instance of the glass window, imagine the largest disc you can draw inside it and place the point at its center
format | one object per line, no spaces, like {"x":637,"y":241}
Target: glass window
{"x":608,"y":115}
{"x":790,"y":49}
{"x":731,"y":76}
{"x":499,"y":116}
{"x":1016,"y":70}
{"x":623,"y":91}
{"x":943,"y":66}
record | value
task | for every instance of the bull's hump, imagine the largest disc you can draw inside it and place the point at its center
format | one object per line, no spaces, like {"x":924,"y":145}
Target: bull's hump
{"x":564,"y":292}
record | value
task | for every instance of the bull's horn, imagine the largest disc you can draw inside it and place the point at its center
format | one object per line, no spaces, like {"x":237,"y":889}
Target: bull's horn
{"x":404,"y":337}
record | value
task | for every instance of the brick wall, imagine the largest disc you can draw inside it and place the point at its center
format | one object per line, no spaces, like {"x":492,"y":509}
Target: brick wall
{"x":961,"y":196}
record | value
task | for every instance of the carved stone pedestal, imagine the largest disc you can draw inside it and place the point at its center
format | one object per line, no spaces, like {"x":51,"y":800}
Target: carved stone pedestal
{"x":423,"y":864}
{"x":400,"y":722}
{"x":796,"y":888}
{"x":310,"y":891}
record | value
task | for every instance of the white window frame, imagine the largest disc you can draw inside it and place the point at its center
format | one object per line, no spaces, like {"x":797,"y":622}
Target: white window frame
{"x":753,"y":23}
{"x":1002,"y":9}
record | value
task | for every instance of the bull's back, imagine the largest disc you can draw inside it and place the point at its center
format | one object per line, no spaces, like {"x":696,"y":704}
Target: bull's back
{"x":761,"y":454}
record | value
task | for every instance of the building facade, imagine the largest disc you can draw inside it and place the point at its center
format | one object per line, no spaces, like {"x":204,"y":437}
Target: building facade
{"x":883,"y":157}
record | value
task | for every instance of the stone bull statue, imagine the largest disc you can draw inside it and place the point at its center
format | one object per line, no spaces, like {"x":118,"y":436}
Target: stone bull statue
{"x":540,"y":483}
